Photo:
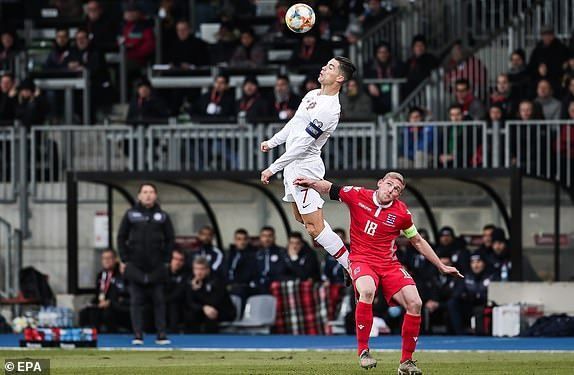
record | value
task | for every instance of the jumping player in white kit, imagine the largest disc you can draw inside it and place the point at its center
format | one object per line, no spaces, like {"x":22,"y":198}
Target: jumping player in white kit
{"x":305,"y":134}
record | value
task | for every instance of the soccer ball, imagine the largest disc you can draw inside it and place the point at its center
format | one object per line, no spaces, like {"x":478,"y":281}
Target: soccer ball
{"x":300,"y":18}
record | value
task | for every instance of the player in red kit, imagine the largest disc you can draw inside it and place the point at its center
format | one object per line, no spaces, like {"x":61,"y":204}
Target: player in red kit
{"x":377,"y":218}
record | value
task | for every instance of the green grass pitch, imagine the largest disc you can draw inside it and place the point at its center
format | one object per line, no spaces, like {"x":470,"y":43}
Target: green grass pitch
{"x":89,"y":361}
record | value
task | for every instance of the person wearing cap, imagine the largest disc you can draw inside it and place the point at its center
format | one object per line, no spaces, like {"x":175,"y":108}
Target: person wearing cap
{"x":145,"y":105}
{"x":498,"y":258}
{"x":470,"y":295}
{"x":551,"y":51}
{"x":449,"y":243}
{"x":249,"y":53}
{"x":252,"y":105}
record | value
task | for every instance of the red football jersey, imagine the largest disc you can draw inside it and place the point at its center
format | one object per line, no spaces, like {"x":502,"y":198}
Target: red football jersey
{"x":374,"y":228}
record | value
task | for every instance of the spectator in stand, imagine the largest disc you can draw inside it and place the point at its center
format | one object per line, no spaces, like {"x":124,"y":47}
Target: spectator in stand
{"x":146,"y":106}
{"x":355,"y":103}
{"x":139,"y":41}
{"x":252,"y":105}
{"x":551,"y":51}
{"x":527,"y":111}
{"x":374,"y":13}
{"x":209,"y":251}
{"x":452,"y":147}
{"x":518,"y":75}
{"x":30,"y":105}
{"x":286,"y":102}
{"x":418,"y":141}
{"x":470,"y":295}
{"x":241,"y":266}
{"x":102,"y":27}
{"x":564,"y":146}
{"x":226,"y":43}
{"x":219,"y":101}
{"x":333,"y":272}
{"x":463,"y":65}
{"x":207,"y":301}
{"x":301,"y":261}
{"x":249,"y":53}
{"x":84,"y":56}
{"x":485,"y":247}
{"x":187,"y":51}
{"x":109,"y":310}
{"x":449,"y":244}
{"x":383,"y":66}
{"x":145,"y":240}
{"x":310,"y":83}
{"x":270,"y":260}
{"x":551,"y":106}
{"x":568,"y":96}
{"x":543,"y":74}
{"x":496,"y":118}
{"x":311,"y":52}
{"x":58,"y":57}
{"x":175,"y":291}
{"x":472,"y":107}
{"x":420,"y":65}
{"x":8,"y":50}
{"x":278,"y":29}
{"x":504,"y":95}
{"x":8,"y":100}
{"x":568,"y":71}
{"x":498,"y":259}
{"x":70,"y":9}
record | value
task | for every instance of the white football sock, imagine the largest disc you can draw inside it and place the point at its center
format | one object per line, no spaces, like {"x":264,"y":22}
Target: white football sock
{"x":334,"y":245}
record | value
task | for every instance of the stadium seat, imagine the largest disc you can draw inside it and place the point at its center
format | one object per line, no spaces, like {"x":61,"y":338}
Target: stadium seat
{"x":258,"y":316}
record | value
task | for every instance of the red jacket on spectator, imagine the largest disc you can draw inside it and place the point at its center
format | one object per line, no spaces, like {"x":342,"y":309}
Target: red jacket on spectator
{"x":139,"y":41}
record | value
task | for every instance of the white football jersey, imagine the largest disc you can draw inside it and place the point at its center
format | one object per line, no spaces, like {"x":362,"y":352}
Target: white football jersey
{"x":308,"y":131}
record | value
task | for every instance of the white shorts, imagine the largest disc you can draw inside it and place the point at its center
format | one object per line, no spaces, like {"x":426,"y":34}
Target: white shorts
{"x":307,"y":200}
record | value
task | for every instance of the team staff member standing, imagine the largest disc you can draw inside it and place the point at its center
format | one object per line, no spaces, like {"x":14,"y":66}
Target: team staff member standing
{"x":145,"y":241}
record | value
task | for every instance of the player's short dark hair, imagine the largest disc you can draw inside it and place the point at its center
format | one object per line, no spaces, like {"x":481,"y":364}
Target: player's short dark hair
{"x":241,"y":231}
{"x":267,"y":228}
{"x":296,"y":235}
{"x":147,"y":184}
{"x":346,"y":67}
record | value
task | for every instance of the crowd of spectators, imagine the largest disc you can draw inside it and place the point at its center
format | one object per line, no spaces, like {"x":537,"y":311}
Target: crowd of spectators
{"x":202,"y":278}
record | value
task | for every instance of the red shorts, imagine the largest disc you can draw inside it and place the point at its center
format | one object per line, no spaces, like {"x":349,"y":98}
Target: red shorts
{"x":392,"y":277}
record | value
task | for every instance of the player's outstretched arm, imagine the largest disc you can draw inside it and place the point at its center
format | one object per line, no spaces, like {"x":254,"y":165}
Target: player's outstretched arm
{"x":321,"y":186}
{"x":426,"y":250}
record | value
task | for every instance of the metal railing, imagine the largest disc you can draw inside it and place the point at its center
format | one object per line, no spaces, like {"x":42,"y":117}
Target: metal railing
{"x":543,"y":148}
{"x":439,"y":145}
{"x":10,"y":259}
{"x":7,"y":164}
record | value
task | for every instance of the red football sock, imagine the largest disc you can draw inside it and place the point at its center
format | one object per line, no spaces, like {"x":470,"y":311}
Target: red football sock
{"x":410,"y":334}
{"x":363,"y":324}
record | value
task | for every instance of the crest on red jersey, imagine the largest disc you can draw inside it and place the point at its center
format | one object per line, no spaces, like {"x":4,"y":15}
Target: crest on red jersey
{"x":391,"y":219}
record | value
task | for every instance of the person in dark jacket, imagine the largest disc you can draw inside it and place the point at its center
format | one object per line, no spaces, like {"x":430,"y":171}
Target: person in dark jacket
{"x":219,"y":101}
{"x":286,"y":102}
{"x":175,"y":291}
{"x":486,"y":246}
{"x":470,"y":295}
{"x":301,"y":261}
{"x":252,"y":104}
{"x":311,"y":53}
{"x":207,"y":250}
{"x":8,"y":99}
{"x":58,"y":57}
{"x":270,"y":260}
{"x":8,"y":50}
{"x":550,"y":51}
{"x":30,"y":105}
{"x":420,"y":65}
{"x":383,"y":66}
{"x":241,"y":266}
{"x":145,"y":241}
{"x":110,"y":308}
{"x":187,"y":51}
{"x":146,"y":106}
{"x":448,"y":243}
{"x":207,"y":301}
{"x":498,"y":258}
{"x":102,"y":27}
